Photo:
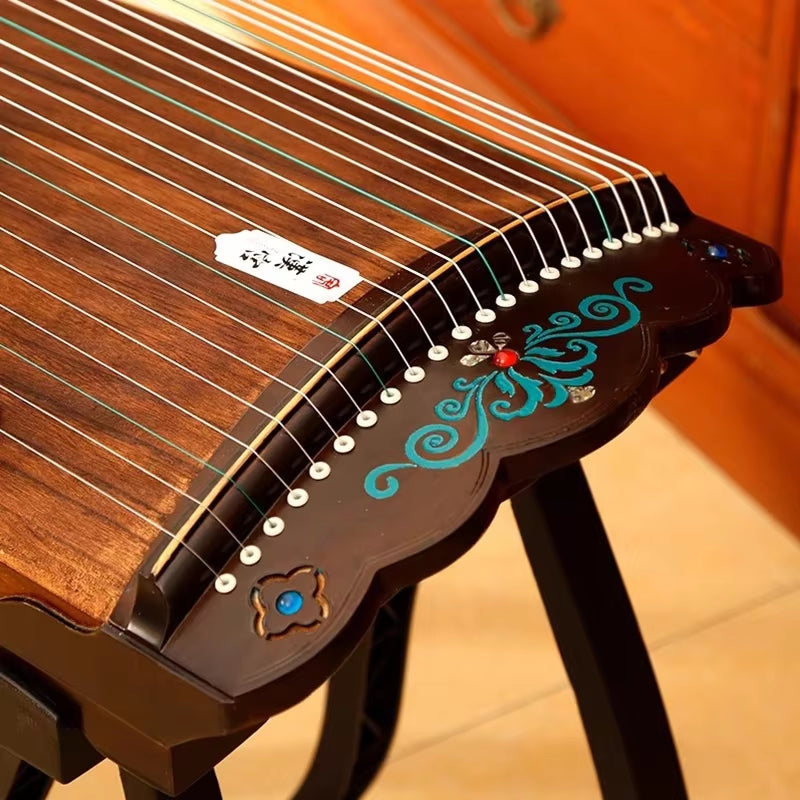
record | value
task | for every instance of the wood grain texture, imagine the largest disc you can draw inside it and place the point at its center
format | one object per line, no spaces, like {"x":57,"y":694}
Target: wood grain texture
{"x":679,"y":99}
{"x":788,"y":310}
{"x":60,"y":532}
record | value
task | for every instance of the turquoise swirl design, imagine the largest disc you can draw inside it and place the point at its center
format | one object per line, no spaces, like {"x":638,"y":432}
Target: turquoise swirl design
{"x":560,"y":356}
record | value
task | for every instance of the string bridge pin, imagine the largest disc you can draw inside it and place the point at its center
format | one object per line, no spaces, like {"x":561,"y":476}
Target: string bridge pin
{"x":390,"y":396}
{"x":506,"y":301}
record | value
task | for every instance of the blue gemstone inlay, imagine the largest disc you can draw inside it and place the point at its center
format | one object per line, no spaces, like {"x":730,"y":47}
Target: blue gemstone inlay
{"x":718,"y":251}
{"x":289,"y":603}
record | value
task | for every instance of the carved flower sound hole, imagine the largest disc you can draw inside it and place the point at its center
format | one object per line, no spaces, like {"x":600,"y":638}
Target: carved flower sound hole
{"x":286,"y":604}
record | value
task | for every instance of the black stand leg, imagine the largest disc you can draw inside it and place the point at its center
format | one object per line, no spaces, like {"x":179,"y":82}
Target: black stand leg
{"x":207,"y":788}
{"x":599,"y":639}
{"x":362,"y":709}
{"x":21,"y":781}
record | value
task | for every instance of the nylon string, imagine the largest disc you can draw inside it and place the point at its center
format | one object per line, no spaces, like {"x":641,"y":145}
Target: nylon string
{"x":259,"y":167}
{"x":349,"y":63}
{"x":344,"y":77}
{"x":133,"y":382}
{"x":108,"y":496}
{"x":261,"y":143}
{"x":381,"y":132}
{"x":216,"y":176}
{"x":123,"y":458}
{"x":427,"y":81}
{"x":205,"y":232}
{"x":168,"y":359}
{"x":265,"y":120}
{"x":476,"y":102}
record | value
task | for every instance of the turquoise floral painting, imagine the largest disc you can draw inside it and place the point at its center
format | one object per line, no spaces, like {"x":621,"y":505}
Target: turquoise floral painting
{"x":553,"y":367}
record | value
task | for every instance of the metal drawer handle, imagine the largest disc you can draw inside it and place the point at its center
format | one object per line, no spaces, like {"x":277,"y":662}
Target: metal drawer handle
{"x":528,"y":19}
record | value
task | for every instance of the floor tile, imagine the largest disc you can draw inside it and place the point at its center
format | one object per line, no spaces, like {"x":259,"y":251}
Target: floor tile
{"x":731,"y":691}
{"x":689,"y":542}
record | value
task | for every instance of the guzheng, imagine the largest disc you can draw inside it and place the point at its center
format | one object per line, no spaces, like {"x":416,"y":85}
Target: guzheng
{"x":282,"y":321}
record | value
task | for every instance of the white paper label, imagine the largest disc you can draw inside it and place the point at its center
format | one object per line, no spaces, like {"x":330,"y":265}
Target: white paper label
{"x":282,"y":263}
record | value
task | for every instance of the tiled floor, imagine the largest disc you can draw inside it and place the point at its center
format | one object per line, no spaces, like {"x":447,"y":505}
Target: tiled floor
{"x":488,"y":711}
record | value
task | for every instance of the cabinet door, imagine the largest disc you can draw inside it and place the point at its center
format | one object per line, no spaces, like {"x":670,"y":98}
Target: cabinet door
{"x":788,"y":311}
{"x":698,"y":88}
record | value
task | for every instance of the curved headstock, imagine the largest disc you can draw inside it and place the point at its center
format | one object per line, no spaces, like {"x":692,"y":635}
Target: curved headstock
{"x":550,"y":380}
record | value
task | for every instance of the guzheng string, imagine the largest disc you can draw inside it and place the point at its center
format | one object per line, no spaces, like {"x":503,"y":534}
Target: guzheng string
{"x":162,"y":317}
{"x":484,"y":315}
{"x":341,"y":76}
{"x":133,"y":382}
{"x":177,"y":364}
{"x":210,"y":235}
{"x":195,"y":260}
{"x":258,"y":331}
{"x":130,"y":462}
{"x":297,"y":496}
{"x":469,"y":99}
{"x":107,"y":495}
{"x":437,"y":351}
{"x":266,"y":120}
{"x":188,"y":256}
{"x":589,"y":252}
{"x":31,"y":363}
{"x":308,"y":118}
{"x":548,"y":271}
{"x":348,"y":62}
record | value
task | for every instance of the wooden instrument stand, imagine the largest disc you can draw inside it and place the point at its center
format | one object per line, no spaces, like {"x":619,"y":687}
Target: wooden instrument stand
{"x":594,"y":625}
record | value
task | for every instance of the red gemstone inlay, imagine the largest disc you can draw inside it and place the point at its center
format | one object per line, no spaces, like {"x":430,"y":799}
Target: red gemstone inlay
{"x":505,"y":358}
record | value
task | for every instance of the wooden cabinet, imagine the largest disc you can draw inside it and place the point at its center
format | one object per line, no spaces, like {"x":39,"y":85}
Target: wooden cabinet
{"x":677,"y":85}
{"x":788,"y":312}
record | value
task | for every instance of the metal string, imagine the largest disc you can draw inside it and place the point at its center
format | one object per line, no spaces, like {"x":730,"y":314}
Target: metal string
{"x":183,"y":291}
{"x":108,"y":496}
{"x":157,"y":353}
{"x":142,"y":269}
{"x":261,"y":143}
{"x":169,"y":247}
{"x":107,"y":407}
{"x":193,"y":259}
{"x":254,"y":115}
{"x":366,"y":87}
{"x":448,"y":108}
{"x":147,"y":308}
{"x":208,"y":233}
{"x":123,"y":458}
{"x":227,"y":181}
{"x":138,"y":385}
{"x":261,"y":168}
{"x":197,"y":227}
{"x":357,"y":120}
{"x":430,"y":80}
